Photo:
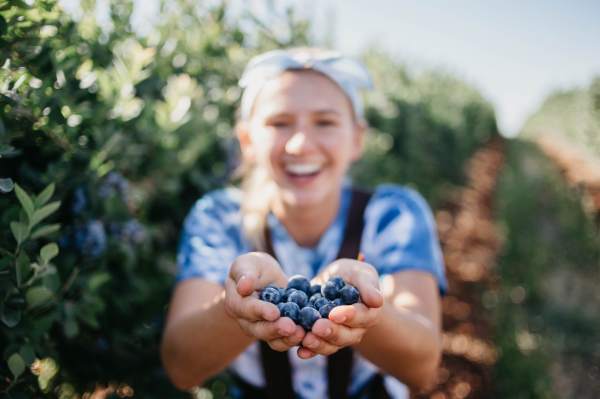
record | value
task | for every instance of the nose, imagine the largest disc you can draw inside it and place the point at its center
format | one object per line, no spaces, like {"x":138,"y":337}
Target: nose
{"x":299,"y":143}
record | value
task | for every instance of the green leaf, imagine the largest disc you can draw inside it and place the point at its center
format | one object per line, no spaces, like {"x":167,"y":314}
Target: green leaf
{"x":42,"y":325}
{"x":16,"y":365}
{"x":20,"y":231}
{"x":52,"y":281}
{"x":11,"y":317}
{"x":43,"y":213}
{"x":25,"y":200}
{"x":27,"y":354}
{"x":44,"y":196}
{"x":10,"y":349}
{"x":48,"y":252}
{"x":22,"y":268}
{"x":37,"y":295}
{"x":44,"y":231}
{"x":98,"y":280}
{"x":18,"y":3}
{"x":71,"y":329}
{"x":3,"y":26}
{"x":4,"y":262}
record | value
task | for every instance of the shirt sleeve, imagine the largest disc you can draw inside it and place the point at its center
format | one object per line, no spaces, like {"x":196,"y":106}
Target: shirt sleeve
{"x":400,"y":234}
{"x":211,"y":238}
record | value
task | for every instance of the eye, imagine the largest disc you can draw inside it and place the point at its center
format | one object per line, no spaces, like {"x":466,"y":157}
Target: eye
{"x":325,"y":122}
{"x":278,"y":123}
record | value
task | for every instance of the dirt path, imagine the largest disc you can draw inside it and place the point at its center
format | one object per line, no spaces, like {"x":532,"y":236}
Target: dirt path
{"x":466,"y":232}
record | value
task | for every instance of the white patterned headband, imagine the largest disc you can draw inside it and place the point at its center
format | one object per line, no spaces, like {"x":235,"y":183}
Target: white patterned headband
{"x":349,"y":73}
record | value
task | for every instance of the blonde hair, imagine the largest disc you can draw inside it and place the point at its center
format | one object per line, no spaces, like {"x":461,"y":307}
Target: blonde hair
{"x":258,"y":190}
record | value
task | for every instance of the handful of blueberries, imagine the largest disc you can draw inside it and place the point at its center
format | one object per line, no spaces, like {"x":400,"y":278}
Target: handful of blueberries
{"x":305,"y":304}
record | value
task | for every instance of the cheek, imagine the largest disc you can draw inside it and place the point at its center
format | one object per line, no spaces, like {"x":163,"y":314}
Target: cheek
{"x":341,"y":148}
{"x":262,"y":143}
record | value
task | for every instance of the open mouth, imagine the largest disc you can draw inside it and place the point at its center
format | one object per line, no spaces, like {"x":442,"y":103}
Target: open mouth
{"x":303,"y":170}
{"x":303,"y":173}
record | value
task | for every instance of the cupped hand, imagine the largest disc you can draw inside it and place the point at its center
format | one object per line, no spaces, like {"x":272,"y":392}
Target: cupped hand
{"x":249,"y":274}
{"x":346,"y":324}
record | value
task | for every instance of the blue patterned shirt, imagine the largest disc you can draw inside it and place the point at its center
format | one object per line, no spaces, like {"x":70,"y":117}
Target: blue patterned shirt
{"x":399,"y":234}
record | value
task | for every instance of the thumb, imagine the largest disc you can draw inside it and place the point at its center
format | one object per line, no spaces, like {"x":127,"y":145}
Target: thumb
{"x":369,"y":292}
{"x":245,"y":275}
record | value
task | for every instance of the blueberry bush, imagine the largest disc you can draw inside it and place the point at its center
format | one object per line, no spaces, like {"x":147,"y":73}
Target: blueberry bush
{"x":570,"y":114}
{"x":108,"y":134}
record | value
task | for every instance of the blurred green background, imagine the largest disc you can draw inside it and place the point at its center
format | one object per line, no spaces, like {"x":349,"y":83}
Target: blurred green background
{"x":107,"y":138}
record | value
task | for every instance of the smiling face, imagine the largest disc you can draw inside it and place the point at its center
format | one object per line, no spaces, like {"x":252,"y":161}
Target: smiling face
{"x":302,"y":131}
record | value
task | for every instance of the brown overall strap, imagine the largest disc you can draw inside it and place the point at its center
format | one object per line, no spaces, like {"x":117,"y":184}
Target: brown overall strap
{"x":276,"y":366}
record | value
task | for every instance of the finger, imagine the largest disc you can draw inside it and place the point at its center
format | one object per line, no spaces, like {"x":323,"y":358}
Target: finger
{"x":285,"y":343}
{"x":297,"y":337}
{"x":279,"y":345}
{"x":337,"y":335}
{"x":358,"y":315}
{"x":290,"y":341}
{"x":253,"y":310}
{"x":305,"y":353}
{"x":249,"y":307}
{"x":318,"y":345}
{"x":269,"y":330}
{"x":244,"y":273}
{"x":366,"y":280}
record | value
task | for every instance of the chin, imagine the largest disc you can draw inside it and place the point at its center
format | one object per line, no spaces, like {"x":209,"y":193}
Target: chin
{"x":303,"y":199}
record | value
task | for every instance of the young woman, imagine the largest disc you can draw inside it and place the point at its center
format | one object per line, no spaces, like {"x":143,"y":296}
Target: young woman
{"x":301,"y":128}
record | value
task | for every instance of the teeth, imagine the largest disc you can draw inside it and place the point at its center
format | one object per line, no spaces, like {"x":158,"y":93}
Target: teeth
{"x":303,"y":169}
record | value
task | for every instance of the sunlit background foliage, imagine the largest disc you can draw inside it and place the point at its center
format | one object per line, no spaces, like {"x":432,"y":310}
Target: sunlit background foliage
{"x":115,"y":118}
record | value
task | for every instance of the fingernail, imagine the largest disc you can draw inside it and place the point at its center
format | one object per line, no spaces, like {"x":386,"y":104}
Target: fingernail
{"x":379,"y":292}
{"x":326,"y":332}
{"x":281,"y":332}
{"x":294,"y":340}
{"x":240,"y":280}
{"x":340,"y":320}
{"x":313,"y":345}
{"x":269,"y":318}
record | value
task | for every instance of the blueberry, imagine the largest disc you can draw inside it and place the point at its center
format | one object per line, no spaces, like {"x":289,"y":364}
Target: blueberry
{"x":281,"y":290}
{"x":91,"y":238}
{"x":308,"y":317}
{"x":314,"y":298}
{"x":291,"y":310}
{"x":314,"y":289}
{"x":269,"y":294}
{"x":299,"y":298}
{"x":279,"y":305}
{"x":299,"y":282}
{"x":325,"y":309}
{"x":338,"y":281}
{"x":349,"y":295}
{"x":330,"y":290}
{"x":338,"y":302}
{"x":286,"y":293}
{"x":319,"y":303}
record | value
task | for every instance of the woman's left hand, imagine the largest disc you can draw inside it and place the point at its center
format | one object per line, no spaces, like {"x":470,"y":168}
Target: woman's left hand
{"x":346,"y":324}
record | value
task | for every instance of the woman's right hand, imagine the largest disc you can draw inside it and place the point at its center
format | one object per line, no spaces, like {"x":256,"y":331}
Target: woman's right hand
{"x":249,"y":274}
